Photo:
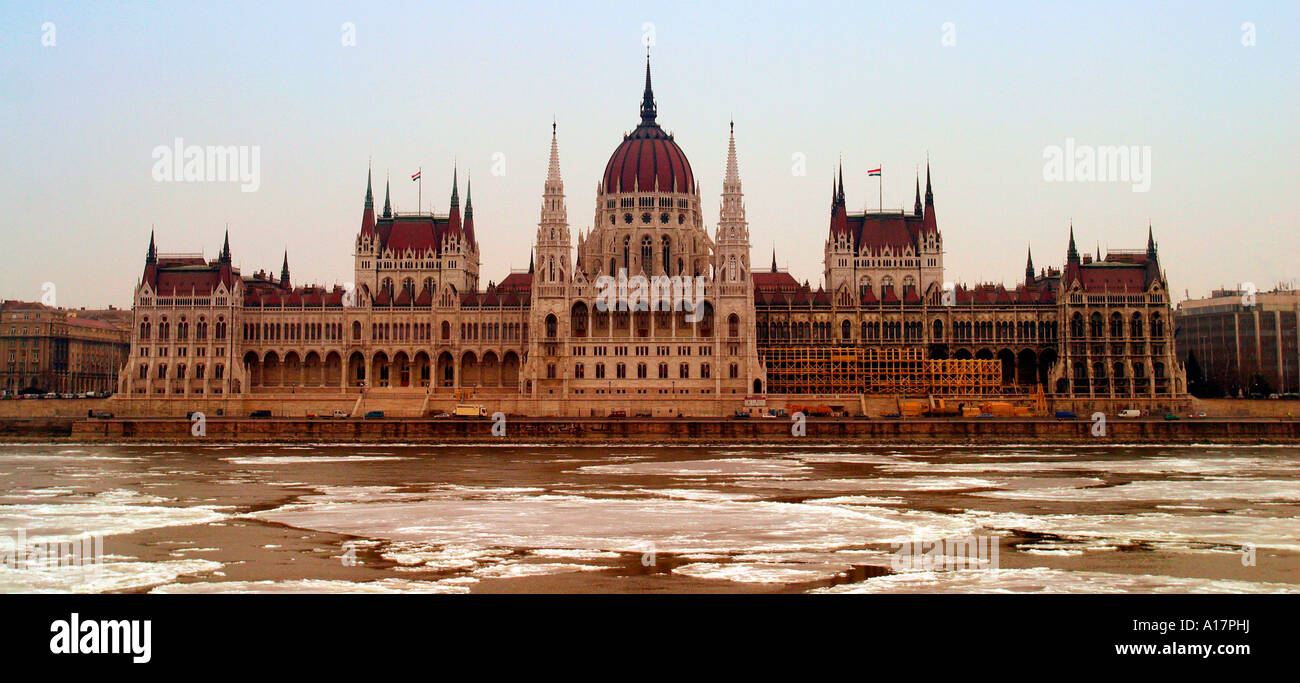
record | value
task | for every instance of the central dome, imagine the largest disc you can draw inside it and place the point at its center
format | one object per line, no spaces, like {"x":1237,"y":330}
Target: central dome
{"x":648,"y":160}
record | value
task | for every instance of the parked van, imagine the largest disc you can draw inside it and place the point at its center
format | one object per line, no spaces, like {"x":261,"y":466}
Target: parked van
{"x":1131,"y":412}
{"x":470,"y":410}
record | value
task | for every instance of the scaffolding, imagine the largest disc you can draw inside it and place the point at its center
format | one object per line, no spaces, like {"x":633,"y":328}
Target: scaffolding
{"x":800,"y":369}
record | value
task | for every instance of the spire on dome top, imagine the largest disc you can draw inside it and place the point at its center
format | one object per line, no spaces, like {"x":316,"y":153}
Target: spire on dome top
{"x":388,"y":205}
{"x":917,"y":208}
{"x":648,"y":109}
{"x":152,"y":255}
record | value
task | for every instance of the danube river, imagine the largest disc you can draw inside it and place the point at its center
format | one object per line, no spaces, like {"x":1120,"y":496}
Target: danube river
{"x":373,"y":518}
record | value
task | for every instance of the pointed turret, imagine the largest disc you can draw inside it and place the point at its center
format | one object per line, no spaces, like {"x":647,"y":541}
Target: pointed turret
{"x":773,"y":259}
{"x":388,"y":205}
{"x":839,"y":212}
{"x":930,"y":222}
{"x":916,"y":209}
{"x":554,"y":213}
{"x":1072,"y":261}
{"x":225,"y":250}
{"x":1029,"y":265}
{"x":284,"y":272}
{"x":731,"y":180}
{"x":1153,"y":260}
{"x":368,"y":212}
{"x":929,"y":193}
{"x":554,"y":242}
{"x":469,"y":214}
{"x":731,"y":212}
{"x":648,"y":108}
{"x":151,"y":256}
{"x":453,"y":216}
{"x":840,"y":196}
{"x":530,"y":263}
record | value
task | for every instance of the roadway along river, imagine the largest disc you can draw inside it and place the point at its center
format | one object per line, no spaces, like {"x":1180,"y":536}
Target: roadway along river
{"x":640,"y":518}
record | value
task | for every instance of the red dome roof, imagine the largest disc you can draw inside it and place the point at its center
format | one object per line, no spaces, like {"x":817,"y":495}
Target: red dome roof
{"x":648,"y":160}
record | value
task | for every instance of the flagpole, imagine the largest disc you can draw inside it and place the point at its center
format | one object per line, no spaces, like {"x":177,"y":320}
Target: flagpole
{"x":419,"y":182}
{"x":880,"y":189}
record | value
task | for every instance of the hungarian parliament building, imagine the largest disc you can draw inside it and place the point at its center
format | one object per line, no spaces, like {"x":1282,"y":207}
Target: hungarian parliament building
{"x":418,"y":321}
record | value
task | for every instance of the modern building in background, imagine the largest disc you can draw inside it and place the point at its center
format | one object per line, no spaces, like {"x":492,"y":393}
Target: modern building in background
{"x":55,"y":350}
{"x":419,"y":326}
{"x":1240,"y":342}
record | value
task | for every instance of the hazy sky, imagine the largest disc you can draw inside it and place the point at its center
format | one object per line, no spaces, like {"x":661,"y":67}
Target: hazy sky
{"x":427,"y":83}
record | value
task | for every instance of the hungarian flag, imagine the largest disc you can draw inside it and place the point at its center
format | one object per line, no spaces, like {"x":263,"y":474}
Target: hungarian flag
{"x":873,"y":172}
{"x":415,"y":176}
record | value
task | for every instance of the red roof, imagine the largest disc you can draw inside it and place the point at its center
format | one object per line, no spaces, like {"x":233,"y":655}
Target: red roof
{"x":774,"y":281}
{"x":875,"y":232}
{"x":1097,"y":277}
{"x":517,"y":282}
{"x":647,"y":160}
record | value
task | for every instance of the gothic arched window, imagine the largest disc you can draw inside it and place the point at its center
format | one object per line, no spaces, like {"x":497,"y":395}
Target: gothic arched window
{"x":647,"y":254}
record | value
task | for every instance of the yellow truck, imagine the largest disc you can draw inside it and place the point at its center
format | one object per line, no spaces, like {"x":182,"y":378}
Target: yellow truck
{"x":470,"y":410}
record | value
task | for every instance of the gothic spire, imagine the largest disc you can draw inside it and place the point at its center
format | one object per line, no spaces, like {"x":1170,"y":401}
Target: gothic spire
{"x":388,"y":205}
{"x":917,"y":208}
{"x":731,"y":182}
{"x":284,"y":272}
{"x":648,"y":109}
{"x":840,"y":196}
{"x":1029,"y":265}
{"x":152,"y":255}
{"x":455,"y":190}
{"x":1072,"y":254}
{"x":225,"y":249}
{"x":370,"y":196}
{"x":469,"y":201}
{"x":554,"y":214}
{"x":929,"y":194}
{"x":554,"y":183}
{"x":773,"y":258}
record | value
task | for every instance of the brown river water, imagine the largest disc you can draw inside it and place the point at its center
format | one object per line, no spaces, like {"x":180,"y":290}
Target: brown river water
{"x":638,"y":518}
